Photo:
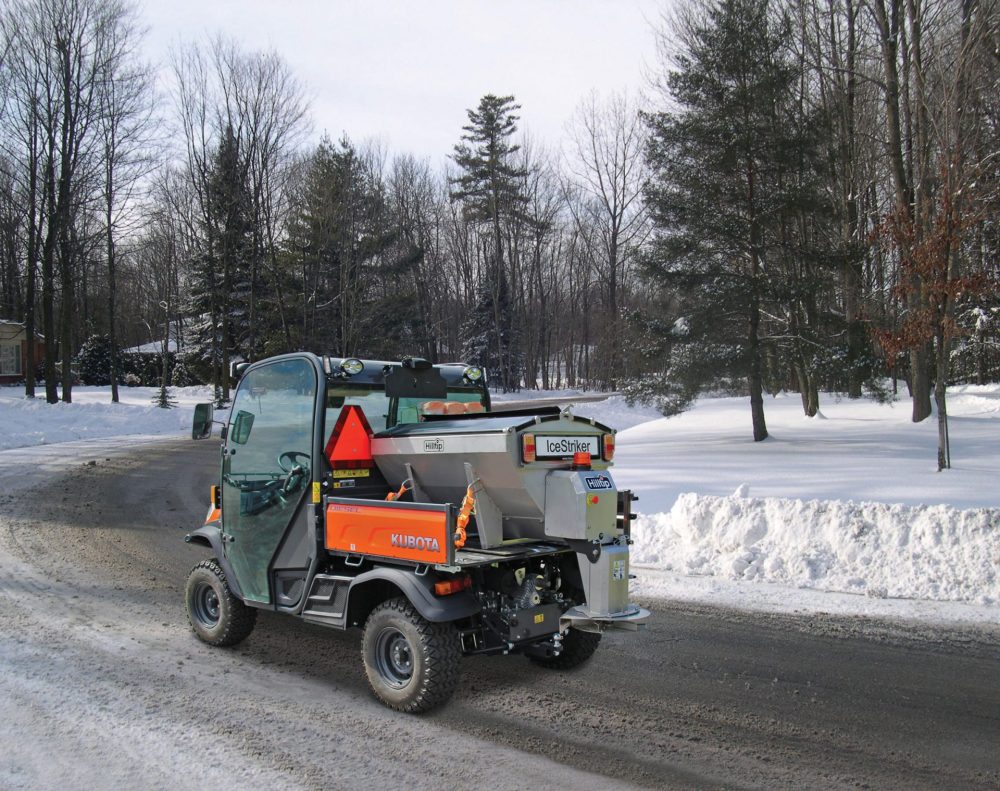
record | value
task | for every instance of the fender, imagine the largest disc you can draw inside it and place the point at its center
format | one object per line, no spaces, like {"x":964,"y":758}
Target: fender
{"x":419,"y":590}
{"x":210,"y":535}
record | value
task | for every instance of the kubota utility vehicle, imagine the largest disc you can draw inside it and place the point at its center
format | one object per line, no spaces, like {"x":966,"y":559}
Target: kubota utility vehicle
{"x":388,"y":496}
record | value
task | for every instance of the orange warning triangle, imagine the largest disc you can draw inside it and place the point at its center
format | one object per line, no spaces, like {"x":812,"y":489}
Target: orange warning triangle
{"x":350,"y":444}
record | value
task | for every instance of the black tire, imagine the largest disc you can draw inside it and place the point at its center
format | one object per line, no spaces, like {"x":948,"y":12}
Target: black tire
{"x":577,"y":648}
{"x":411,"y":663}
{"x":216,"y":615}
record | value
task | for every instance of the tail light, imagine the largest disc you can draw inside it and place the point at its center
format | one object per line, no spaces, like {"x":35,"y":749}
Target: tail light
{"x":528,"y":447}
{"x":453,"y":585}
{"x":609,"y":447}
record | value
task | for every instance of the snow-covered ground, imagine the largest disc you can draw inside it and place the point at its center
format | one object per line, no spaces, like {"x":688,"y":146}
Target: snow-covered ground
{"x":26,"y":422}
{"x":840,"y":513}
{"x":849,"y":502}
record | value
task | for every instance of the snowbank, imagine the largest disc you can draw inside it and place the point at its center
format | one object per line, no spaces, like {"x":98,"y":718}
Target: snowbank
{"x":850,"y":502}
{"x":27,"y":422}
{"x":918,"y":552}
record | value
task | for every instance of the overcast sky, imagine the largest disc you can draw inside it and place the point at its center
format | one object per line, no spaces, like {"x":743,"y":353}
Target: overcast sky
{"x":406,"y":72}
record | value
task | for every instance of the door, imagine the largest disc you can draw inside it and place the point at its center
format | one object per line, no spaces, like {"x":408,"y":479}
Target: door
{"x":266,"y":470}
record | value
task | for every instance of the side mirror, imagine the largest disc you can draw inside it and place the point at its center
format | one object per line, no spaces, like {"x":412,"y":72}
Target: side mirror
{"x":236,"y":370}
{"x":241,"y":427}
{"x":201,"y":427}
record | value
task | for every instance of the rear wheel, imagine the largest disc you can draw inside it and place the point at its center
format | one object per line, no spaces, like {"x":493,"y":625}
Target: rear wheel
{"x":216,"y":615}
{"x":577,"y":648}
{"x":411,"y":663}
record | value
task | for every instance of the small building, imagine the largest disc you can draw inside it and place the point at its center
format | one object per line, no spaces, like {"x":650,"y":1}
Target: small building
{"x":14,"y":351}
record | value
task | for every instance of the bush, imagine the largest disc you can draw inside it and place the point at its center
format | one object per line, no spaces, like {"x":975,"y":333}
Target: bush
{"x":131,"y":380}
{"x":94,"y":361}
{"x":182,"y":375}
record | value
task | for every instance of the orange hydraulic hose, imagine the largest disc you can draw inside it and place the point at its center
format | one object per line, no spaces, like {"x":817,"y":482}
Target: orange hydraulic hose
{"x":402,"y":490}
{"x":468,"y":503}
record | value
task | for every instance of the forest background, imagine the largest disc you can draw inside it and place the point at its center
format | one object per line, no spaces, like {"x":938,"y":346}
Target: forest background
{"x":802,"y":196}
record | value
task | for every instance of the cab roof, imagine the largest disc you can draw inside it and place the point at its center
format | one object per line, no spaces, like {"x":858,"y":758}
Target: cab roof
{"x":374,"y":372}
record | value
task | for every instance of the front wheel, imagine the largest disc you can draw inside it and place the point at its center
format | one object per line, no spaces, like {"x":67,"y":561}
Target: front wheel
{"x":577,"y":648}
{"x":216,"y":615}
{"x":411,"y":663}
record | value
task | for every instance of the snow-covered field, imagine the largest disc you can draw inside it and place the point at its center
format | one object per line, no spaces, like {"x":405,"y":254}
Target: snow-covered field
{"x":26,"y":422}
{"x":840,"y":513}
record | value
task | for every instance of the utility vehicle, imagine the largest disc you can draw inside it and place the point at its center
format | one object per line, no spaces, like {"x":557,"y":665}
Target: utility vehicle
{"x":390,"y":497}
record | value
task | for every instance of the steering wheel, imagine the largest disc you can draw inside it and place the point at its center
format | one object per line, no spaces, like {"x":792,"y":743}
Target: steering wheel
{"x":290,"y":459}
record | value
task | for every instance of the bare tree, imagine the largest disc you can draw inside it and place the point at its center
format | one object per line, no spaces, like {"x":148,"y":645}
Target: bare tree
{"x":61,"y":54}
{"x":221,"y":89}
{"x":125,"y":126}
{"x":604,"y":159}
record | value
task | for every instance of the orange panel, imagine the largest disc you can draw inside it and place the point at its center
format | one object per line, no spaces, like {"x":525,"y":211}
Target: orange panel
{"x":389,"y":532}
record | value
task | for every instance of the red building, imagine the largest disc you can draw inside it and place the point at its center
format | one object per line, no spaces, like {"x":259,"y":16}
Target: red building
{"x":14,"y":351}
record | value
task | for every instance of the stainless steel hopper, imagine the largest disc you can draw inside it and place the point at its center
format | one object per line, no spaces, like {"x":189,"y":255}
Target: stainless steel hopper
{"x":443,"y":457}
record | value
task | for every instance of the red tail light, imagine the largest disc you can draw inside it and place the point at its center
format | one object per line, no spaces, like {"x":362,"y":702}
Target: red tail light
{"x":528,"y":447}
{"x":453,"y":585}
{"x":609,"y":447}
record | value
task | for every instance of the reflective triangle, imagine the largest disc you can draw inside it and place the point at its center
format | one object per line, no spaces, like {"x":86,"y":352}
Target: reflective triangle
{"x":350,"y":444}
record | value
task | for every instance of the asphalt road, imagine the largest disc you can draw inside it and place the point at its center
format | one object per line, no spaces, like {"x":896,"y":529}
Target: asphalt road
{"x":102,"y":685}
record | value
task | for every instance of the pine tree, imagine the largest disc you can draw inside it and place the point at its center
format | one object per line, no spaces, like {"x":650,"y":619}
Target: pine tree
{"x":720,"y":192}
{"x":489,"y":190}
{"x":353,"y":267}
{"x":230,"y":202}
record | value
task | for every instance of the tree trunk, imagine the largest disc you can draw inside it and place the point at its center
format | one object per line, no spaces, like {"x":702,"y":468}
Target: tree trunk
{"x":31,"y":268}
{"x":112,"y":280}
{"x":754,"y":378}
{"x":48,"y":290}
{"x":940,"y":400}
{"x":920,"y":383}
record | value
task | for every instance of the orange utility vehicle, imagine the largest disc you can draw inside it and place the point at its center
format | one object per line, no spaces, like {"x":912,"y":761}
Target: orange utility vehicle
{"x":388,"y":496}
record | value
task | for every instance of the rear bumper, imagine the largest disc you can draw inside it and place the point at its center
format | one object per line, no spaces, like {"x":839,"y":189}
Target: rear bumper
{"x":632,"y":619}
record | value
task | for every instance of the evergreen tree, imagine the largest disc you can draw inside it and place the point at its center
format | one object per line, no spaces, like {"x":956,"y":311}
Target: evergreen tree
{"x":93,"y":363}
{"x":720,"y":194}
{"x":489,"y":189}
{"x":230,"y":205}
{"x":357,"y":297}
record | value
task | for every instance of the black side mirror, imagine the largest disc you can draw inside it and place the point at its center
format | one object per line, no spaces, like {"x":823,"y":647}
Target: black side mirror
{"x":241,"y":427}
{"x":236,"y":370}
{"x":201,"y":426}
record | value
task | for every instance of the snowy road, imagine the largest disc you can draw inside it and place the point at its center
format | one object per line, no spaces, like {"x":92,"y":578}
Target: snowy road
{"x":103,"y":686}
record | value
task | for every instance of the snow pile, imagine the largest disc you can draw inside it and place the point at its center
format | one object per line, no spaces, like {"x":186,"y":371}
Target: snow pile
{"x":852,"y":503}
{"x":920,"y":552}
{"x":26,"y":421}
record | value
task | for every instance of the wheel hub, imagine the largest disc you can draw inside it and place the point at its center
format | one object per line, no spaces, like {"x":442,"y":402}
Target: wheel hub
{"x":394,"y":657}
{"x":207,"y":608}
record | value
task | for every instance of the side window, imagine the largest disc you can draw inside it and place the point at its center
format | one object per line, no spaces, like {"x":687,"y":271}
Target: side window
{"x":272,"y":415}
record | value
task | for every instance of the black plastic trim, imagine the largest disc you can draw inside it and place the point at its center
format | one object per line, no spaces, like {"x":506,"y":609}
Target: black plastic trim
{"x":210,"y":535}
{"x":420,"y":593}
